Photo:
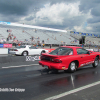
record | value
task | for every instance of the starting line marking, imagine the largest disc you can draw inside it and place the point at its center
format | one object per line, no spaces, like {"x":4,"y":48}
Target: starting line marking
{"x":72,"y":91}
{"x":19,"y":66}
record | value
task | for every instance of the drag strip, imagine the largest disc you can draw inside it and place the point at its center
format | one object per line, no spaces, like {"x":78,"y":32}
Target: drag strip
{"x":39,"y":84}
{"x":20,"y":66}
{"x":73,"y":91}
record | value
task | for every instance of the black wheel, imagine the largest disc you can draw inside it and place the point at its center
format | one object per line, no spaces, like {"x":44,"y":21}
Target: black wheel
{"x":96,"y":62}
{"x":65,"y":71}
{"x":72,"y":67}
{"x":25,"y":53}
{"x":42,"y":52}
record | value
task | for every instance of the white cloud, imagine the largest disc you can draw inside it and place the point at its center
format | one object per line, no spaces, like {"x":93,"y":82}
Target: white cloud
{"x":89,"y":28}
{"x":78,"y":28}
{"x":56,"y":13}
{"x":61,"y":14}
{"x":82,"y":29}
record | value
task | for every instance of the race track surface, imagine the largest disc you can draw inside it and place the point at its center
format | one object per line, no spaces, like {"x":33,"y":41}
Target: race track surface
{"x":30,"y":81}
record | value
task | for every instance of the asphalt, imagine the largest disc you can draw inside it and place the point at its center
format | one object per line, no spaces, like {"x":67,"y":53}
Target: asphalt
{"x":39,"y":84}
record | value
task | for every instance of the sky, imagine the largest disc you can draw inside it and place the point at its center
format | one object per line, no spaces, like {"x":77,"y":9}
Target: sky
{"x":74,"y":15}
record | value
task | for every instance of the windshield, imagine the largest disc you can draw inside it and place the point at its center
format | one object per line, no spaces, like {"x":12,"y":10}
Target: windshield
{"x":20,"y":46}
{"x":62,"y":51}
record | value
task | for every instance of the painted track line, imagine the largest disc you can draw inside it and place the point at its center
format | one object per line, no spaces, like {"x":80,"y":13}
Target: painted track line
{"x":20,"y":66}
{"x":72,"y":91}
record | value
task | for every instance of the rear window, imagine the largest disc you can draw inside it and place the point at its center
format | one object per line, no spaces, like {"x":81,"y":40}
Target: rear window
{"x":62,"y":51}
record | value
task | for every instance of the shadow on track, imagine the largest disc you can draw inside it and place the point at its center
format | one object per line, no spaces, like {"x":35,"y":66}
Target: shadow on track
{"x":54,"y":71}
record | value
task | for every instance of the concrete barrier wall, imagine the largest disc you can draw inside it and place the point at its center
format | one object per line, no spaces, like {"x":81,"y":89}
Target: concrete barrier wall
{"x":3,"y":50}
{"x":95,"y":50}
{"x":10,"y":59}
{"x":6,"y":50}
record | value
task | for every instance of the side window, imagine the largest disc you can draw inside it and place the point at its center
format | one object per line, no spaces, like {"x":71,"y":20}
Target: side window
{"x":70,"y":52}
{"x":81,"y":51}
{"x":32,"y":47}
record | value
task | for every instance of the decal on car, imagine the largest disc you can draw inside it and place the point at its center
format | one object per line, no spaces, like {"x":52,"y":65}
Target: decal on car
{"x":87,"y":63}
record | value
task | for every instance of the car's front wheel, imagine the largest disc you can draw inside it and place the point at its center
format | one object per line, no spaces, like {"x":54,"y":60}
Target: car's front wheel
{"x":72,"y":67}
{"x":25,"y":53}
{"x":96,"y":62}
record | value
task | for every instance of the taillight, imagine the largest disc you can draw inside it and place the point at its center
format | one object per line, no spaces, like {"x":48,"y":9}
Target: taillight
{"x":15,"y":50}
{"x":56,"y":60}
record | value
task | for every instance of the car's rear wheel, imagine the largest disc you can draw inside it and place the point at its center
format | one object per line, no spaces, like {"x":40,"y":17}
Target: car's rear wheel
{"x":25,"y":53}
{"x":96,"y":62}
{"x":72,"y":67}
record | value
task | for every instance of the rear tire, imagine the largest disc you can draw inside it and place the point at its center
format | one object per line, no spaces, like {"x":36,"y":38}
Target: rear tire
{"x":25,"y":53}
{"x":65,"y":71}
{"x":96,"y":62}
{"x":72,"y":67}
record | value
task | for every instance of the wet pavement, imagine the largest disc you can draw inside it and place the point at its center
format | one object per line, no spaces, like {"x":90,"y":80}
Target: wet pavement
{"x":38,"y":84}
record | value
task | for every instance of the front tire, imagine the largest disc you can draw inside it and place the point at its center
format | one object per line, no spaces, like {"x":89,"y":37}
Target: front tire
{"x":72,"y":67}
{"x":96,"y":62}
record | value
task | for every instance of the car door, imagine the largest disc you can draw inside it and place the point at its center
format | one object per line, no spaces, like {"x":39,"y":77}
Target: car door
{"x":84,"y":56}
{"x":32,"y":50}
{"x":38,"y":51}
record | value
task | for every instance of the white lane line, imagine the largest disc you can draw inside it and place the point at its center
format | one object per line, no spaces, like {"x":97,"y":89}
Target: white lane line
{"x":72,"y":91}
{"x":19,"y":66}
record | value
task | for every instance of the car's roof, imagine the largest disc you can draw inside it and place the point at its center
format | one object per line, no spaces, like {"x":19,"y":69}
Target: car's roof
{"x":73,"y":47}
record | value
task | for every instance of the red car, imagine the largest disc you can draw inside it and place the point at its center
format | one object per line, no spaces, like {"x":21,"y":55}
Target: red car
{"x":69,"y":58}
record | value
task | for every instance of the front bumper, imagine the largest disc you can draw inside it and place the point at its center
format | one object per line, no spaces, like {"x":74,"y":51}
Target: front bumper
{"x":52,"y":65}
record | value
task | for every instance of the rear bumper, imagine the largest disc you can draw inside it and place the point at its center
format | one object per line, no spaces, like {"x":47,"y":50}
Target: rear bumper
{"x":52,"y":65}
{"x":15,"y":53}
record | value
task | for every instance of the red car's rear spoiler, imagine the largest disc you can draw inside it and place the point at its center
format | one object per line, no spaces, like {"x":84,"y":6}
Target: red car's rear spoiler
{"x":49,"y":55}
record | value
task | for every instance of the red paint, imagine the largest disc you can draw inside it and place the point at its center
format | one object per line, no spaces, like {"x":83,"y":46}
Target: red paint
{"x":65,"y":60}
